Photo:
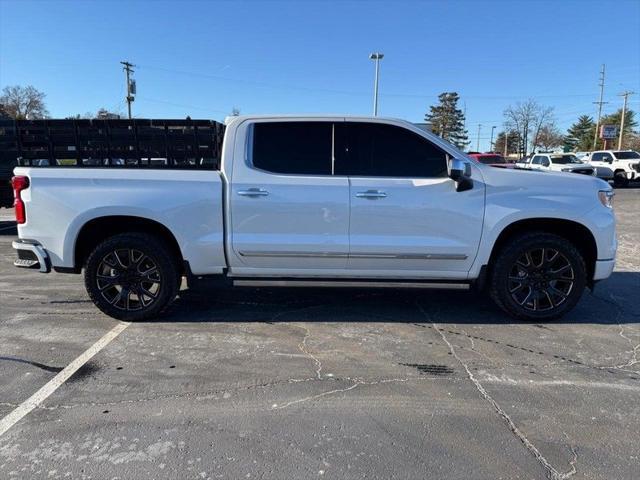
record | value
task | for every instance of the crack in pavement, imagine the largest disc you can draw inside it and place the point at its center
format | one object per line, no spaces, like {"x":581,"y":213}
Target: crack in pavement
{"x":634,"y":348}
{"x":552,"y":472}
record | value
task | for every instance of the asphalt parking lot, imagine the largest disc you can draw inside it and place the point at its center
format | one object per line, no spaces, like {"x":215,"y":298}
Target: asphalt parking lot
{"x":280,"y":384}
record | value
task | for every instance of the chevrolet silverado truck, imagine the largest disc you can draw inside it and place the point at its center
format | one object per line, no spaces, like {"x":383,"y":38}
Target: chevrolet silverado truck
{"x":557,"y":162}
{"x":313,"y":201}
{"x":625,"y":165}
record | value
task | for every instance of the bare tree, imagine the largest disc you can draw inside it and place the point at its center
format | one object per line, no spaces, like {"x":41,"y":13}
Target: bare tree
{"x":527,"y":118}
{"x":548,"y":137}
{"x":544,"y":120}
{"x":23,"y":102}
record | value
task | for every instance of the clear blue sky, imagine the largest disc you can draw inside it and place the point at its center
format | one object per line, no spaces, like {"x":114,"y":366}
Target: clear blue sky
{"x":203,"y":58}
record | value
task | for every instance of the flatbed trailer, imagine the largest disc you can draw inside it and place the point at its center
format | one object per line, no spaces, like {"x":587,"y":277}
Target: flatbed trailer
{"x":136,"y":143}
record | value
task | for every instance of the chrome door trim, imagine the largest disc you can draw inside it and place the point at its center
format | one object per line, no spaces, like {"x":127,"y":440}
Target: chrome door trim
{"x":401,"y":256}
{"x":294,"y":254}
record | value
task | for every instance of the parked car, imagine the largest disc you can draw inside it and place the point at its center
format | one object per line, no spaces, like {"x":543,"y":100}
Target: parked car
{"x":319,"y":201}
{"x":625,"y":165}
{"x":493,"y":159}
{"x":557,"y":162}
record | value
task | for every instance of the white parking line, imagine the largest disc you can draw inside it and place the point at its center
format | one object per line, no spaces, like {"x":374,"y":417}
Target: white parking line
{"x":41,"y":395}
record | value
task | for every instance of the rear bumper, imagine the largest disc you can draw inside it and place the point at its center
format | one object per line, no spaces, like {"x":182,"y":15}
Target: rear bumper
{"x":603,"y":269}
{"x":31,"y":255}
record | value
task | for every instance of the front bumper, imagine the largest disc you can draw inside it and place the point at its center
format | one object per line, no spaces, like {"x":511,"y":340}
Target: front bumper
{"x":31,"y":255}
{"x":603,"y":269}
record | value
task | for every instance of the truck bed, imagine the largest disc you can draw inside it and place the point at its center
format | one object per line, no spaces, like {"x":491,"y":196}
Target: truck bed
{"x":62,"y":200}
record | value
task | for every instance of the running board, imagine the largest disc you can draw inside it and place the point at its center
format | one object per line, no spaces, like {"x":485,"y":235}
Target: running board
{"x":256,"y":282}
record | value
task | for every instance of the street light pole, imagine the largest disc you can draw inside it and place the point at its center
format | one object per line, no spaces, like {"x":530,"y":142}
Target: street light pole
{"x":491,"y":142}
{"x":377,"y":57}
{"x":478,"y":143}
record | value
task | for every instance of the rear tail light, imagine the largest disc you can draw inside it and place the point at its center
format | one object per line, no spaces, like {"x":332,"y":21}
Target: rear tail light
{"x":19,"y":184}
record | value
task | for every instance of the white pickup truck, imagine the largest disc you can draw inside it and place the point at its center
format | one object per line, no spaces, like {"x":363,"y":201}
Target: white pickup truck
{"x":557,"y":162}
{"x":623,"y":165}
{"x":320,"y":201}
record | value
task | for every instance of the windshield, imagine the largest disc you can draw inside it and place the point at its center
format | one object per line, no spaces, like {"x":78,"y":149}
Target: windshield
{"x":486,"y":159}
{"x":626,"y":155}
{"x":565,"y":159}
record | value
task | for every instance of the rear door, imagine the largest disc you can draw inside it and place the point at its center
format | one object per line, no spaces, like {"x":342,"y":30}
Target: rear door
{"x":407,"y":219}
{"x":288,"y":212}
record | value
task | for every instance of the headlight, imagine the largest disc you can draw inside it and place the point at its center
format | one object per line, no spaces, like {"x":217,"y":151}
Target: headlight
{"x":606,"y":198}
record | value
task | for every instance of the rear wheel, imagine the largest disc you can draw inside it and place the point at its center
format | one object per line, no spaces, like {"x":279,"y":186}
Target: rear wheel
{"x":538,"y":276}
{"x":131,"y":276}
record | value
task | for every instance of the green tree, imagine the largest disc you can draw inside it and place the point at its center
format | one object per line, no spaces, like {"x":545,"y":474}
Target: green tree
{"x":514,"y":143}
{"x":447,"y":120}
{"x":579,"y":136}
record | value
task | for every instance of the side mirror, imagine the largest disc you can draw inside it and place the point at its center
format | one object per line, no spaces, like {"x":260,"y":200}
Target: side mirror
{"x":460,"y":172}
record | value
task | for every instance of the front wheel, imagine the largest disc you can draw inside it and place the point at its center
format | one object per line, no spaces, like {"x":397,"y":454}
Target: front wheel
{"x":538,"y":277}
{"x":620,"y":180}
{"x":131,"y":276}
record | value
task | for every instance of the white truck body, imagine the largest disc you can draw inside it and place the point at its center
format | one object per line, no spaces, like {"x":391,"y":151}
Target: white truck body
{"x":623,"y":165}
{"x":557,"y":162}
{"x":248,"y":223}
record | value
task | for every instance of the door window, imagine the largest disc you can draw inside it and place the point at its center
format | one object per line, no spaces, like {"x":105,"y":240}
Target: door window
{"x":378,"y":150}
{"x":597,"y":157}
{"x":303,"y":148}
{"x":607,"y":157}
{"x":537,"y":160}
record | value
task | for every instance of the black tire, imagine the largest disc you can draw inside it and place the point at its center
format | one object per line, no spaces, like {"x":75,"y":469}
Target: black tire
{"x":131,"y":276}
{"x":620,"y":179}
{"x":530,"y":282}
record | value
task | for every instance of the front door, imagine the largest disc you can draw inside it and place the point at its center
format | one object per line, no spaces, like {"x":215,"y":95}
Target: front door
{"x":288,"y":213}
{"x":407,"y":219}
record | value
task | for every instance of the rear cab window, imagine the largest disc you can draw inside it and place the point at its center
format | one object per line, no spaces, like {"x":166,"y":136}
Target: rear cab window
{"x":295,"y":148}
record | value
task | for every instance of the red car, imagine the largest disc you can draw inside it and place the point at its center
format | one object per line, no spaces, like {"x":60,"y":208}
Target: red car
{"x":490,"y":158}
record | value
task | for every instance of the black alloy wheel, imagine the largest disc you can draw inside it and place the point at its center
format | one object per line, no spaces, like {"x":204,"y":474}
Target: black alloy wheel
{"x":541,"y":279}
{"x":537,"y":276}
{"x":132,"y":276}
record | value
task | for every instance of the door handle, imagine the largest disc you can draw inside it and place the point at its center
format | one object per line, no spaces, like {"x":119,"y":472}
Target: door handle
{"x":371,"y":194}
{"x":253,"y":192}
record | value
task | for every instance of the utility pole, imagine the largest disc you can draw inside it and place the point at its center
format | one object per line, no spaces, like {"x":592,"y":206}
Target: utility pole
{"x":128,"y":69}
{"x":625,"y":95}
{"x":506,"y":143}
{"x":478,"y":143}
{"x":599,"y":103}
{"x":491,"y":141}
{"x":377,"y":57}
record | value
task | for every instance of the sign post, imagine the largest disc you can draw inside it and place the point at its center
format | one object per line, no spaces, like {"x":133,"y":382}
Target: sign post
{"x":608,"y":132}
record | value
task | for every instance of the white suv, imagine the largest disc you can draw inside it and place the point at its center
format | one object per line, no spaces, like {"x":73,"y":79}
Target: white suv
{"x":625,"y":164}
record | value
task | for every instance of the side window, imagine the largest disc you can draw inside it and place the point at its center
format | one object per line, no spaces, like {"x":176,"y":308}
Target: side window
{"x":607,"y":157}
{"x":545,"y":161}
{"x":303,"y":148}
{"x":379,"y":150}
{"x":537,"y":160}
{"x":597,"y":157}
